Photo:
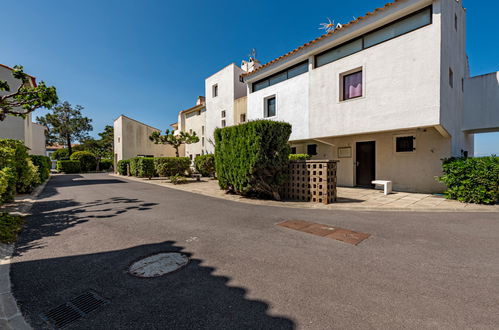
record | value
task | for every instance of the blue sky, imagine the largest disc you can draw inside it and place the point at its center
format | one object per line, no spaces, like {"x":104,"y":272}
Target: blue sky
{"x":148,"y":59}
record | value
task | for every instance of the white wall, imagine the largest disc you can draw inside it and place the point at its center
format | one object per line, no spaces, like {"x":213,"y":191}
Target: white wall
{"x":131,"y":139}
{"x":38,"y":145}
{"x":413,"y":172}
{"x":229,"y":88}
{"x":401,"y":79}
{"x":453,"y":56}
{"x":195,"y":121}
{"x":481,"y":111}
{"x":292,"y":99}
{"x":18,"y":128}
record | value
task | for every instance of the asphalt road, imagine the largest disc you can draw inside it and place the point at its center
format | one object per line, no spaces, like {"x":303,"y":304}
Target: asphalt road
{"x":417,"y":270}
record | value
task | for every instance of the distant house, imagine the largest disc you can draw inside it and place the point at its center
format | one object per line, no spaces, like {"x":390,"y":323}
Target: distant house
{"x":193,"y":120}
{"x":19,"y":128}
{"x":131,"y":139}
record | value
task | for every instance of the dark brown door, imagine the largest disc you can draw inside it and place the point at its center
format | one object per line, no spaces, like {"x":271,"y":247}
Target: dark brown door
{"x":366,"y":162}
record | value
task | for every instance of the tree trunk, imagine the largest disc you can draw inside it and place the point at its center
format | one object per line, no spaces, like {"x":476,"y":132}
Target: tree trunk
{"x":97,"y":165}
{"x":68,"y":141}
{"x":176,"y":152}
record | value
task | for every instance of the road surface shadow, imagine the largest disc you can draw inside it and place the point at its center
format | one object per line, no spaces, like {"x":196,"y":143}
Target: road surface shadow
{"x":61,"y":181}
{"x":191,"y":298}
{"x":50,"y":217}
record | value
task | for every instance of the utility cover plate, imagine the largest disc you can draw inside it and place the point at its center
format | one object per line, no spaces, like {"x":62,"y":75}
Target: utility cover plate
{"x":158,"y":264}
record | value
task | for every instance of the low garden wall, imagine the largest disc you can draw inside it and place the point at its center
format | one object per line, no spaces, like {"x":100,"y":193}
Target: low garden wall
{"x":311,"y":181}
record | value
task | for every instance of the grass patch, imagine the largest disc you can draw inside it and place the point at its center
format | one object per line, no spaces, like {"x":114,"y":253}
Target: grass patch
{"x":10,"y":225}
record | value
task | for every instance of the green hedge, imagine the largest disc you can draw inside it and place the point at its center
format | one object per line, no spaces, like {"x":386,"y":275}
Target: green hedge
{"x":170,"y":166}
{"x":133,"y":166}
{"x":10,"y":226}
{"x":60,"y":154}
{"x":122,"y":167}
{"x":205,"y":164}
{"x":18,"y":174}
{"x":44,"y":165}
{"x":253,"y":158}
{"x":88,"y":161}
{"x":68,"y":166}
{"x":472,"y":180}
{"x":105,"y":164}
{"x":143,"y":167}
{"x":299,"y":157}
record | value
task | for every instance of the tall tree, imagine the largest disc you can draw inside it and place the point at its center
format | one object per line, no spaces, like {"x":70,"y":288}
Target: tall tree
{"x":103,"y":147}
{"x":25,"y":98}
{"x":174,"y":140}
{"x":66,"y":125}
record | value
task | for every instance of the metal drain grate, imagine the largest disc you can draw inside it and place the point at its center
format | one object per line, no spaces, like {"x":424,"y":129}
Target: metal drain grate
{"x":76,"y":308}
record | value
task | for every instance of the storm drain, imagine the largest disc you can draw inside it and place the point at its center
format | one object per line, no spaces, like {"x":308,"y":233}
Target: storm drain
{"x":158,"y":264}
{"x":71,"y":311}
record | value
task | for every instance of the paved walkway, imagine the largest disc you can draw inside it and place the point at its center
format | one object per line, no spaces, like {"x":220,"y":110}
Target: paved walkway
{"x":348,"y":198}
{"x":416,"y":270}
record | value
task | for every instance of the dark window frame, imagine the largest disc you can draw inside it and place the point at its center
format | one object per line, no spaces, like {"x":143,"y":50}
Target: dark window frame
{"x":399,"y":148}
{"x":310,"y":152}
{"x":343,"y":92}
{"x":267,"y":79}
{"x":266,"y":107}
{"x":373,"y":31}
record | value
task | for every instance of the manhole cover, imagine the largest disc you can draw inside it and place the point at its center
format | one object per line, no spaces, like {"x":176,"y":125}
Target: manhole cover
{"x":159,"y":264}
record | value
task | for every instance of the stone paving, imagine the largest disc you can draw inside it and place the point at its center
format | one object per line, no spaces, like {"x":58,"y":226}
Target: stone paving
{"x":348,"y":198}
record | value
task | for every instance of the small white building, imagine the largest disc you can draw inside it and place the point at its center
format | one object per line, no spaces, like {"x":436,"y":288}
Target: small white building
{"x":387,"y":94}
{"x":131,"y":139}
{"x":225,"y":98}
{"x":32,"y":134}
{"x":193,"y":120}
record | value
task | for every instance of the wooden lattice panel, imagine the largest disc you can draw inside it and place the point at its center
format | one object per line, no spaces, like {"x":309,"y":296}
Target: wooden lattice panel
{"x":311,"y":181}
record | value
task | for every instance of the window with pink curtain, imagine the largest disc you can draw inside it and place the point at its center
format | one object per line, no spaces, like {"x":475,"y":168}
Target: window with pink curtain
{"x":352,"y":85}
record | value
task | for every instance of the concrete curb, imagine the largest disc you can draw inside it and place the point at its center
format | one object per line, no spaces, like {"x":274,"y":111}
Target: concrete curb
{"x":10,"y":315}
{"x":337,"y":207}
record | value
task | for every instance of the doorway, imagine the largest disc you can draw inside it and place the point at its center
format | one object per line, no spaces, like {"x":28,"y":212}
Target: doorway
{"x":366,"y":163}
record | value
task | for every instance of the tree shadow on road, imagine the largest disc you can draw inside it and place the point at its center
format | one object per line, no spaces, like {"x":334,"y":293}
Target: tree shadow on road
{"x":191,"y":298}
{"x":50,"y":217}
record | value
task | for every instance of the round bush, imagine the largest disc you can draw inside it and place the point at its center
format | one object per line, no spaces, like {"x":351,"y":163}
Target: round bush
{"x":60,"y":154}
{"x":105,"y":164}
{"x":87,"y":160}
{"x":205,"y":165}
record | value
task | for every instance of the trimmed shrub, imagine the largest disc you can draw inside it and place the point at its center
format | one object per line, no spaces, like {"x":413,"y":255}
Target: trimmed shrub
{"x":205,"y":165}
{"x":144,"y":167}
{"x":170,"y":166}
{"x":472,"y":180}
{"x":10,"y":225}
{"x":60,"y":154}
{"x":122,"y":167}
{"x":105,"y":164}
{"x":17,"y":169}
{"x":133,"y":166}
{"x":178,"y":179}
{"x":87,"y":160}
{"x":68,"y":166}
{"x":7,"y":184}
{"x":253,"y":158}
{"x":44,"y":165}
{"x":299,"y":157}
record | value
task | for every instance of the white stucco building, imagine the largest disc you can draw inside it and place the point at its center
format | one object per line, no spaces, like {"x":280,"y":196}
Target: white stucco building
{"x":32,"y":134}
{"x":193,"y":120}
{"x":131,"y":139}
{"x":388,"y":94}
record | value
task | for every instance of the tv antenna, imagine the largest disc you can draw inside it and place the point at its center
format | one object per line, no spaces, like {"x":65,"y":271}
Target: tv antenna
{"x":252,"y":53}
